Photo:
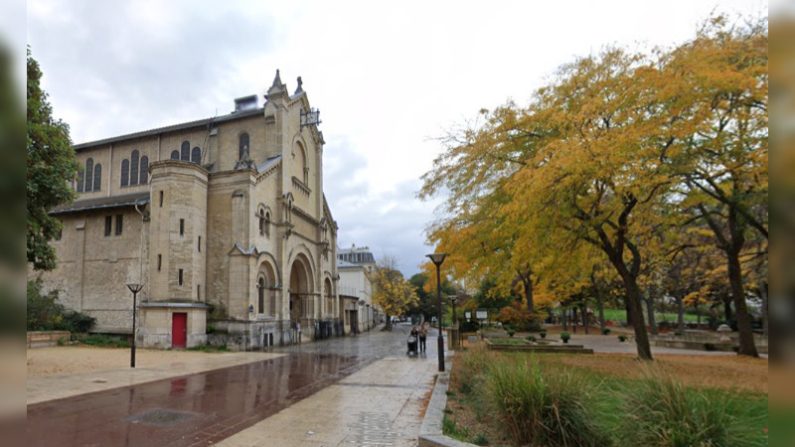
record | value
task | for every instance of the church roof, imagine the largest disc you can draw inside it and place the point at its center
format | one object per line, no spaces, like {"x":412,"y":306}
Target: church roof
{"x":98,"y":203}
{"x":206,"y":123}
{"x":269,"y":163}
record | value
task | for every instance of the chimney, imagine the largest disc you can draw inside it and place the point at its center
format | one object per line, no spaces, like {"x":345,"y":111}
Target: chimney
{"x":246,"y":103}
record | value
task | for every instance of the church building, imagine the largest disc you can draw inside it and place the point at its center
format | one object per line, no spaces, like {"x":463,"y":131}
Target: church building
{"x":223,"y":221}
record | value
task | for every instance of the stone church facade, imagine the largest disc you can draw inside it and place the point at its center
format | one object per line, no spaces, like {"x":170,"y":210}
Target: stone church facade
{"x":223,"y":221}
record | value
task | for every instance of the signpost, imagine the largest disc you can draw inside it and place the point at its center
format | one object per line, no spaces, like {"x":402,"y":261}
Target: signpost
{"x":482,"y":315}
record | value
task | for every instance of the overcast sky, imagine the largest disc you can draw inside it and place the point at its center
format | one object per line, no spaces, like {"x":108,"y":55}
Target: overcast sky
{"x":388,"y":77}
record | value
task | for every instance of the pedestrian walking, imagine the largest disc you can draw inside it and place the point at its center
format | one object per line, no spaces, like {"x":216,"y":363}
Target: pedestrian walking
{"x":298,"y":330}
{"x":423,"y":332}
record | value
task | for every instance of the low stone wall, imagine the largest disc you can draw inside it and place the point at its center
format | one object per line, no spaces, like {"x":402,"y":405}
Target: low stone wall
{"x":702,"y":345}
{"x":431,"y":434}
{"x":556,"y":348}
{"x":42,"y":339}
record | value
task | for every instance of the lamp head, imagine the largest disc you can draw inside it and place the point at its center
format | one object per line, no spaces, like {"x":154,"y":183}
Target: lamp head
{"x":135,"y":287}
{"x":437,"y":258}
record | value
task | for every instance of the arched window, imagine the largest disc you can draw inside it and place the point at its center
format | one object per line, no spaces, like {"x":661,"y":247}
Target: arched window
{"x":243,"y":146}
{"x":262,"y":222}
{"x":144,"y":170}
{"x":134,"y":168}
{"x":175,"y":155}
{"x":303,"y":163}
{"x":125,"y":172}
{"x":196,"y":155}
{"x":97,"y":177}
{"x":80,"y":180}
{"x":185,"y":151}
{"x":267,"y":223}
{"x":261,"y":295}
{"x":89,"y":176}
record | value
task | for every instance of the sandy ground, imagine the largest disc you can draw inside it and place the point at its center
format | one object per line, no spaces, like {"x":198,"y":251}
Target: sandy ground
{"x":44,"y":362}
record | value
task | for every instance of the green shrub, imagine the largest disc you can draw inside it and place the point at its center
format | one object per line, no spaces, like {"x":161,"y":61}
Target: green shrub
{"x":543,"y":410}
{"x":45,"y":313}
{"x":530,"y":338}
{"x":480,"y":439}
{"x":104,"y":341}
{"x":660,"y":411}
{"x":543,"y":333}
{"x":622,"y":338}
{"x":565,"y":336}
{"x":77,"y":322}
{"x":510,"y":330}
{"x":606,"y":331}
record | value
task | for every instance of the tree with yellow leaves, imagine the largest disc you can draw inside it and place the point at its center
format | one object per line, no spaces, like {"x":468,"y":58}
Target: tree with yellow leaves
{"x":391,"y":291}
{"x":723,"y":166}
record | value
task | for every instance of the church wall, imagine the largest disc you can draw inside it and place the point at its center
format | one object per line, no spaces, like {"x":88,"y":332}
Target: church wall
{"x":93,"y":269}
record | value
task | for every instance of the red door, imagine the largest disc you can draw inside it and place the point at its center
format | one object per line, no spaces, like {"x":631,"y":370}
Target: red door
{"x":179,"y":329}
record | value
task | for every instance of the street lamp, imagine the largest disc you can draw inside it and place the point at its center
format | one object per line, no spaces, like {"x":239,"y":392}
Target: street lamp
{"x":134,"y":288}
{"x":437,"y":259}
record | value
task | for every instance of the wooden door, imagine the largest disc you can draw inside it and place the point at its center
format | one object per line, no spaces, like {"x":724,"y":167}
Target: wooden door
{"x":179,"y":329}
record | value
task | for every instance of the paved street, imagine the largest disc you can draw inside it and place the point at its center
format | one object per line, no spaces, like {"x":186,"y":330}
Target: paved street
{"x":368,"y":387}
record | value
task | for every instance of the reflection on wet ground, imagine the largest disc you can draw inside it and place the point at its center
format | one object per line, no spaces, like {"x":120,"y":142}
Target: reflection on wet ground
{"x":203,"y":408}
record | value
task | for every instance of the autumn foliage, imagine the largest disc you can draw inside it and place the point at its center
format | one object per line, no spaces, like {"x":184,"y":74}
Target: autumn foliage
{"x":615,"y":163}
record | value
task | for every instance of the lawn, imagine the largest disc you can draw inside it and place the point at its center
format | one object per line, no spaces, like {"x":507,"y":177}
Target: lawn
{"x":605,"y":383}
{"x":621,"y":315}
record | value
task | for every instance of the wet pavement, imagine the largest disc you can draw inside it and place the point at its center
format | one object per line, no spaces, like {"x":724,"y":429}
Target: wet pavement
{"x":203,"y":408}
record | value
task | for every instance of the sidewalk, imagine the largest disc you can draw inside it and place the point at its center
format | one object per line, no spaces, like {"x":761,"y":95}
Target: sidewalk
{"x":380,"y":405}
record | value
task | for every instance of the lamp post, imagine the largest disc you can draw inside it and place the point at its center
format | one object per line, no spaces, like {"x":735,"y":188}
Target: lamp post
{"x":437,"y":259}
{"x":134,"y":288}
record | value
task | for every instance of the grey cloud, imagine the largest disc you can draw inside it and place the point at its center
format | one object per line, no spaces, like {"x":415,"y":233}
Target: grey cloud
{"x":142,"y":77}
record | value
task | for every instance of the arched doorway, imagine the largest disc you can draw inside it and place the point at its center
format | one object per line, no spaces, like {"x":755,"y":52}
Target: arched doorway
{"x":301,"y":299}
{"x":266,"y":291}
{"x":328,"y":295}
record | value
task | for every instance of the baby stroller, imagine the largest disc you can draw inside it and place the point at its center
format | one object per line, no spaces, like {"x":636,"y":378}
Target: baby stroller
{"x":412,"y":345}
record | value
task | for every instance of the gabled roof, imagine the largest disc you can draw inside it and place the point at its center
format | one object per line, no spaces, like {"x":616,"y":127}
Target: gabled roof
{"x":126,"y":200}
{"x":269,"y":163}
{"x":205,"y":123}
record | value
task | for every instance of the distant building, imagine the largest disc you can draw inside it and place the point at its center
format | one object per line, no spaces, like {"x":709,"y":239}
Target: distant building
{"x":223,"y":220}
{"x":355,"y":289}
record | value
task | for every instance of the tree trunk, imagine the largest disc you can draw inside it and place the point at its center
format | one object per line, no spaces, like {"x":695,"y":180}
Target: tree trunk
{"x":763,"y":295}
{"x":584,"y":313}
{"x":727,"y":308}
{"x":574,"y":319}
{"x":680,"y":314}
{"x":636,"y":314}
{"x":388,"y":325}
{"x":629,"y":312}
{"x":600,"y":305}
{"x":527,"y":282}
{"x":747,"y":345}
{"x":650,"y":312}
{"x":564,"y":318}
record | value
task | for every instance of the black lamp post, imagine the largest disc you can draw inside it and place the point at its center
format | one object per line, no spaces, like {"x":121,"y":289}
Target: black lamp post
{"x":134,"y":288}
{"x":437,"y":259}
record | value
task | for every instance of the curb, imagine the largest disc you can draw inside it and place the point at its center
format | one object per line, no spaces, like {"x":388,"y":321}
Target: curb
{"x":431,"y":430}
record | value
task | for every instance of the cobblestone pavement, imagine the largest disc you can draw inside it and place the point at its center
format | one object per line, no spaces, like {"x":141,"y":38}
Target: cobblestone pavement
{"x":353,"y":391}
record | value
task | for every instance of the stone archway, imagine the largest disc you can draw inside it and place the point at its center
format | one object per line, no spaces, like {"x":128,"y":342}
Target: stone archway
{"x":328,"y":298}
{"x":267,"y":302}
{"x":301,"y":298}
